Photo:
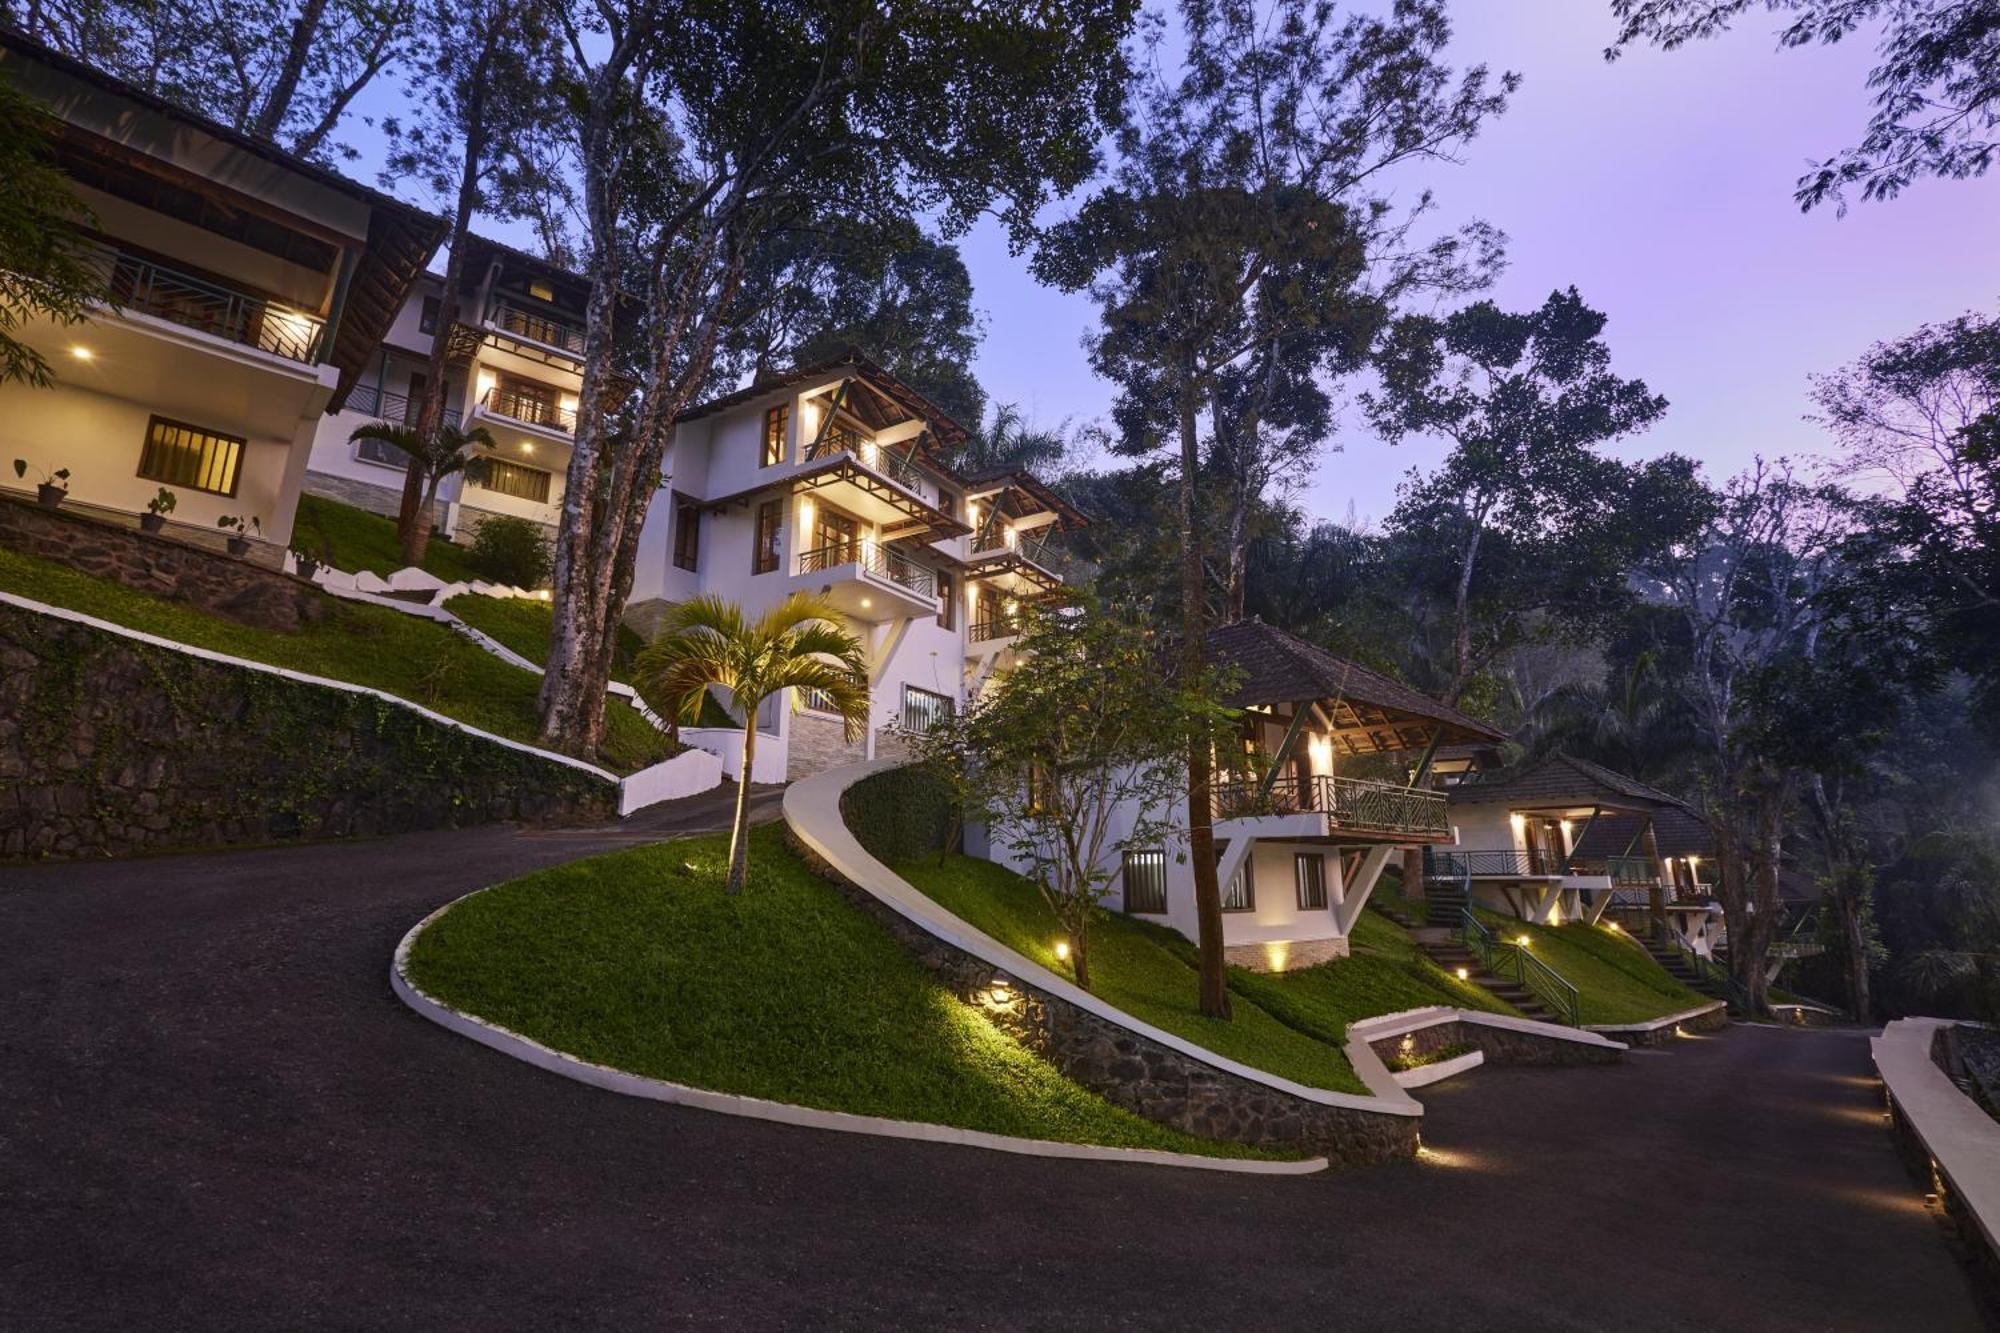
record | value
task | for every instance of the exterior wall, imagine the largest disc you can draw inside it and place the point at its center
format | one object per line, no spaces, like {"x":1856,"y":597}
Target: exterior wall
{"x":1485,"y":827}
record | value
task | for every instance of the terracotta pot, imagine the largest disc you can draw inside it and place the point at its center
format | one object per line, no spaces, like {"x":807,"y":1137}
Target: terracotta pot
{"x":152,"y":522}
{"x":50,"y":496}
{"x":239,"y":546}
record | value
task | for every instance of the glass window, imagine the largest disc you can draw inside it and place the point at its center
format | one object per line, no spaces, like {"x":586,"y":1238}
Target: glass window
{"x":523,"y":483}
{"x":764,"y":541}
{"x":924,"y":709}
{"x":190,"y":456}
{"x":1311,"y":875}
{"x":687,"y":536}
{"x":776,"y":423}
{"x":1240,"y":893}
{"x":948,"y":590}
{"x":427,"y":319}
{"x":1145,"y":881}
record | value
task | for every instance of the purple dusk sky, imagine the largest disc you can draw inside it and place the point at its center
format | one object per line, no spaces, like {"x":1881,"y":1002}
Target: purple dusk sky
{"x":1660,"y":186}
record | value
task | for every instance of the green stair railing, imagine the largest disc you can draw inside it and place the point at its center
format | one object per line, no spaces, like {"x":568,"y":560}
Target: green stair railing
{"x":1511,"y":962}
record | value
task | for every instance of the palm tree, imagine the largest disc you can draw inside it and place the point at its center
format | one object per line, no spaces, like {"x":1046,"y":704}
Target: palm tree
{"x":798,"y":644}
{"x":432,"y":459}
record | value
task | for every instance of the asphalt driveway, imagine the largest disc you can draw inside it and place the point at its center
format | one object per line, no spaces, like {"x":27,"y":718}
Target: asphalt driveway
{"x":213,"y":1115}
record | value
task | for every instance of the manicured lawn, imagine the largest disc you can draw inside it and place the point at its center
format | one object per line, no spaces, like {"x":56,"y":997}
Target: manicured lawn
{"x":523,"y":625}
{"x":639,"y":961}
{"x":356,"y":540}
{"x":1617,"y":981}
{"x":413,"y":659}
{"x":1146,"y":970}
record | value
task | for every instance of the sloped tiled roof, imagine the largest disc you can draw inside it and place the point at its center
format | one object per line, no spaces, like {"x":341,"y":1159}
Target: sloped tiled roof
{"x":948,"y":432}
{"x":1561,"y":778}
{"x":1677,"y":830}
{"x":1275,"y":667}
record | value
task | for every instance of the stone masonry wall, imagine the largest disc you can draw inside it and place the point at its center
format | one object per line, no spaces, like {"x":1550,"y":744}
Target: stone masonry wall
{"x":386,"y":499}
{"x":1138,"y":1073}
{"x":1503,"y":1046}
{"x":110,"y":747}
{"x":212,"y":580}
{"x":817,"y":744}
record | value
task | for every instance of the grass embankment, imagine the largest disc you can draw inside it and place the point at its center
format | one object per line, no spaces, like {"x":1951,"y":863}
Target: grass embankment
{"x":1617,"y":981}
{"x":638,"y":960}
{"x":524,"y":625}
{"x":403,"y":655}
{"x":1293,"y":1024}
{"x":355,"y":540}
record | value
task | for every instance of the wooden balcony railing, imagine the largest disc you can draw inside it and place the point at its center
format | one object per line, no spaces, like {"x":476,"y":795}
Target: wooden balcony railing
{"x":537,"y":327}
{"x":994,"y":627}
{"x":875,"y":560}
{"x":147,"y":288}
{"x":529,"y":407}
{"x":1351,"y":803}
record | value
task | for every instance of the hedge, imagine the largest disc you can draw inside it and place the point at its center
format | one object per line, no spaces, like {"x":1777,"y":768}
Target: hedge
{"x":900,"y":814}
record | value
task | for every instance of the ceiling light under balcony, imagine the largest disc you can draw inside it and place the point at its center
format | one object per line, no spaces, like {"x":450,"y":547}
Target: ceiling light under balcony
{"x":81,"y":353}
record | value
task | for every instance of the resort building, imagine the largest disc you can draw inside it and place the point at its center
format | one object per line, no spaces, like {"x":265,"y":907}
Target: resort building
{"x":832,"y":478}
{"x":1326,"y":786}
{"x":514,"y":367}
{"x":245,"y":294}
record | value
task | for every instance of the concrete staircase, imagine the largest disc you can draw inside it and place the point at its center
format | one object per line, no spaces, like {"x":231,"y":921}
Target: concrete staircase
{"x":1444,"y":900}
{"x":1444,"y":949}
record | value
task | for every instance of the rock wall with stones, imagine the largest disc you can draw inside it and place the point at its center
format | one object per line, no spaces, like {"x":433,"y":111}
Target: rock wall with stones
{"x":1711,"y":1020}
{"x":223,"y":584}
{"x":1503,"y":1046}
{"x":110,"y":747}
{"x":1142,"y":1075}
{"x":817,"y":744}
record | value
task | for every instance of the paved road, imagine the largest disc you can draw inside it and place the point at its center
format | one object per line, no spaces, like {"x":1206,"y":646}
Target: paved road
{"x":214,"y":1115}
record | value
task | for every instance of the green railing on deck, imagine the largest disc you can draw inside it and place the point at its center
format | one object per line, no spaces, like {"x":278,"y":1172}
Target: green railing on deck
{"x":1511,"y":962}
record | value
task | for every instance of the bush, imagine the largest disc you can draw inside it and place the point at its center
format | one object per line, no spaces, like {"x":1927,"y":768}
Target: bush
{"x":900,"y":815}
{"x":510,"y":550}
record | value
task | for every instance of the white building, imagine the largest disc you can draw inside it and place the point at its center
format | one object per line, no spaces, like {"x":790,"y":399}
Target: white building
{"x":515,"y":367}
{"x":1327,"y":787}
{"x":831,"y":479}
{"x":246,"y":291}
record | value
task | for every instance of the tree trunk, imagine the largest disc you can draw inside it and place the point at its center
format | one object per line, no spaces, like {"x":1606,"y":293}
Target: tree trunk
{"x":1854,"y":940}
{"x":1079,"y":957}
{"x":278,"y":102}
{"x":1413,"y":874}
{"x":1201,"y":826}
{"x":406,"y":515}
{"x":1461,"y":618}
{"x":739,"y":828}
{"x":418,"y":537}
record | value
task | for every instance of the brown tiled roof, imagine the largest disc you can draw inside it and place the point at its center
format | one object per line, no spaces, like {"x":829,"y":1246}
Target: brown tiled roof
{"x":1561,"y":778}
{"x":1678,"y":830}
{"x":947,"y":431}
{"x":1274,"y":667}
{"x":1032,"y":486}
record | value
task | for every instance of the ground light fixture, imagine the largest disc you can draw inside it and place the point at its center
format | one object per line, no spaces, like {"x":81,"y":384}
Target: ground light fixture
{"x":1062,"y":951}
{"x":1521,"y":940}
{"x":1464,"y":975}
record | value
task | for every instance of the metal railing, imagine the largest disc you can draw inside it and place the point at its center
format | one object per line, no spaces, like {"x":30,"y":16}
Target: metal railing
{"x":1043,"y":555}
{"x":874,"y":559}
{"x":1711,"y":977}
{"x":142,"y":286}
{"x":882,"y":458}
{"x":396,"y":408}
{"x":1511,"y":962}
{"x":1480,"y":865}
{"x":1353,"y":803}
{"x":995,"y":627}
{"x":536,"y":327}
{"x":531,"y":408}
{"x":1630,"y":870}
{"x":924,"y":709}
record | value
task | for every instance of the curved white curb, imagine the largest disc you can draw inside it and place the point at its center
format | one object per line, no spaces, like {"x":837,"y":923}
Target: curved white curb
{"x":812,"y":811}
{"x":532,"y":1052}
{"x":1656,"y":1024}
{"x":1440,"y":1070}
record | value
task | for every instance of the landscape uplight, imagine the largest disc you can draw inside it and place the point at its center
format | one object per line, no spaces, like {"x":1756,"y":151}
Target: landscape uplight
{"x":1062,"y":950}
{"x":1464,"y":975}
{"x":1521,"y":940}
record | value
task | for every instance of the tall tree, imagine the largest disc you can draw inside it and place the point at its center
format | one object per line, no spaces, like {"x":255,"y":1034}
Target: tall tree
{"x":1242,"y":208}
{"x":1936,"y":83}
{"x":878,"y":110}
{"x":1525,"y":525}
{"x":45,"y":268}
{"x":478,"y":109}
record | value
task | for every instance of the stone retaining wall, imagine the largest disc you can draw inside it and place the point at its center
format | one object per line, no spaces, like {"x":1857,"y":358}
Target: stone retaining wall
{"x":1639,"y":1034}
{"x":1140,"y":1074}
{"x":215,"y":581}
{"x":1502,"y":1045}
{"x":110,"y":746}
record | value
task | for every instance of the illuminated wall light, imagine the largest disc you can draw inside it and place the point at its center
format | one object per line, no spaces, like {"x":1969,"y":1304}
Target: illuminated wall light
{"x":527,"y":446}
{"x":485,"y":382}
{"x":81,"y":352}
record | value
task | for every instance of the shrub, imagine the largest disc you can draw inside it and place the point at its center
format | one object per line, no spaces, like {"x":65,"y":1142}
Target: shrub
{"x":900,"y":814}
{"x":510,"y":550}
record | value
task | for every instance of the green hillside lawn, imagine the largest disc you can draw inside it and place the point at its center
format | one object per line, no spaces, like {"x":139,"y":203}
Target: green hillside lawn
{"x":1292,"y":1024}
{"x":356,"y":540}
{"x":637,"y":960}
{"x":1616,"y":980}
{"x":403,"y":655}
{"x":523,"y":625}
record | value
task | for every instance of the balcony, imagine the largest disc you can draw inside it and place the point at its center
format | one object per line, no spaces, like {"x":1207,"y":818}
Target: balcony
{"x":870,"y":581}
{"x":535,"y":327}
{"x":1342,"y":805}
{"x":993,"y":628}
{"x":837,"y":439}
{"x":143,"y":287}
{"x":395,"y":408}
{"x":1486,"y":865}
{"x":530,"y":409}
{"x":1623,"y":871}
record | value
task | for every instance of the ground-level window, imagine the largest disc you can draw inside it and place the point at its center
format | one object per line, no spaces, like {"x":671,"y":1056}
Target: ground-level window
{"x":1311,"y":874}
{"x":776,"y":422}
{"x":687,"y":536}
{"x":1240,"y":893}
{"x":924,"y":709}
{"x":381,"y":452}
{"x":191,"y":457}
{"x":523,"y":483}
{"x":1145,"y":881}
{"x":764,"y":541}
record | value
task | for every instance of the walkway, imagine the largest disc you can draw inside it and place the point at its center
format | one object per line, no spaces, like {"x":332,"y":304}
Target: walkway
{"x":214,"y":1115}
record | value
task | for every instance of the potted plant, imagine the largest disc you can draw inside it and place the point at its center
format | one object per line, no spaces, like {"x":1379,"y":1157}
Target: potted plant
{"x":54,"y":486}
{"x":157,"y":510}
{"x":309,"y":560}
{"x":242,"y":527}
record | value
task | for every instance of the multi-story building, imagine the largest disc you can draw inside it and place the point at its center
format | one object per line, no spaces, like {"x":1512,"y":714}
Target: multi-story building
{"x":515,"y":365}
{"x":245,"y":292}
{"x":831,"y":478}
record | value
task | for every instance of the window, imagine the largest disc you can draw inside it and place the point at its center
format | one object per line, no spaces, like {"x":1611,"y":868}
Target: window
{"x":1145,"y":882}
{"x":775,"y":423}
{"x":924,"y":709}
{"x":523,"y":483}
{"x":183,"y":455}
{"x":540,"y":290}
{"x":687,"y":536}
{"x":1240,"y":893}
{"x":383,"y":453}
{"x":815,"y":701}
{"x":764,"y":541}
{"x":1310,"y":871}
{"x":427,"y":319}
{"x":948,"y":613}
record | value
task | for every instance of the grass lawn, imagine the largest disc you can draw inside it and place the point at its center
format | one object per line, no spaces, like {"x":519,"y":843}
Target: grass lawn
{"x":639,"y":961}
{"x":523,"y":625}
{"x":414,"y":659}
{"x":1617,"y":980}
{"x":356,"y":540}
